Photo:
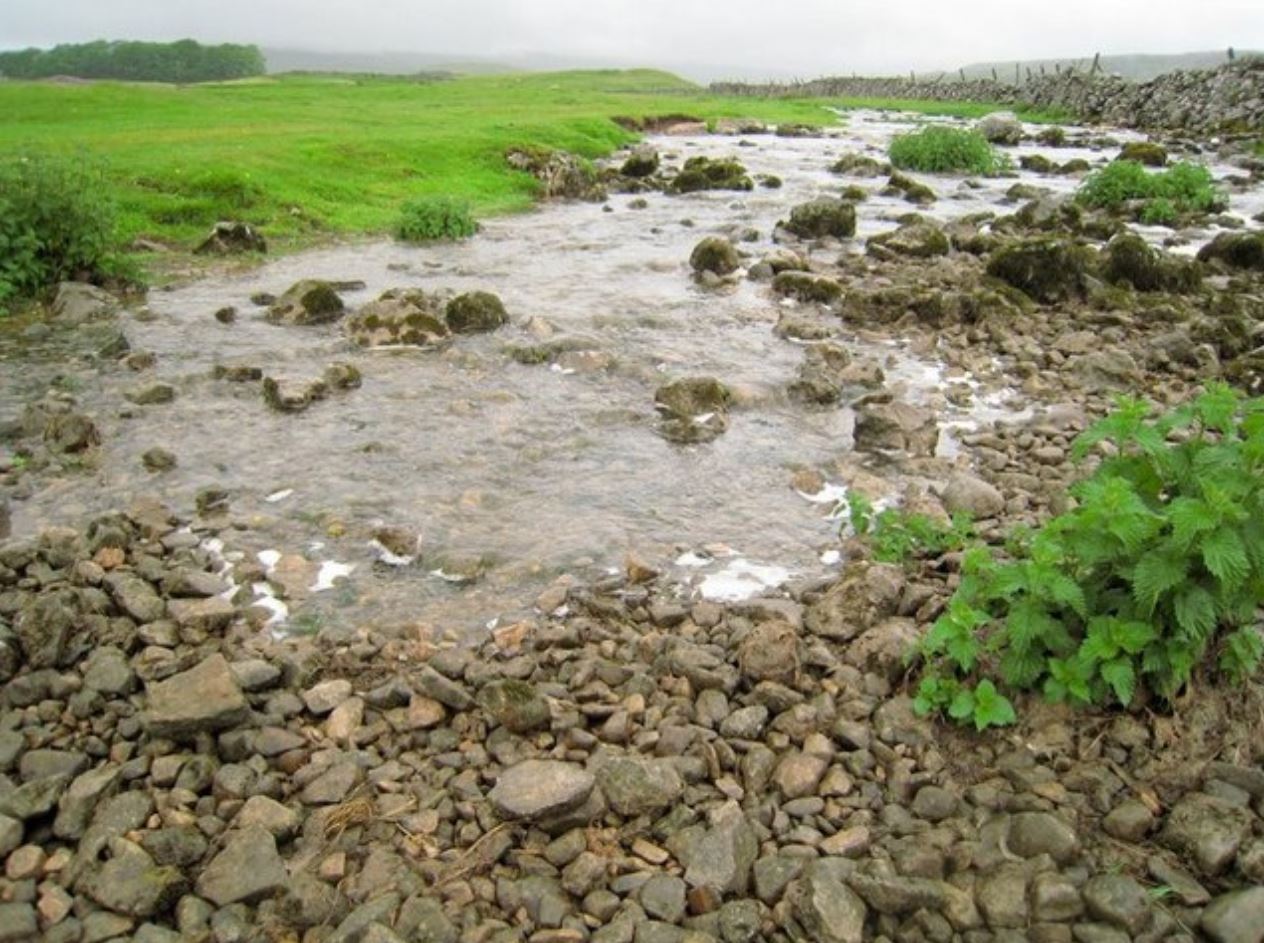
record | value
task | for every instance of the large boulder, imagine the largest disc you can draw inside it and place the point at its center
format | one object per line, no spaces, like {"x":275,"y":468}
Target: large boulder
{"x":1130,"y":260}
{"x":824,"y":216}
{"x":232,"y":238}
{"x":399,"y":317}
{"x":1001,"y":127}
{"x":1242,"y":250}
{"x":706,"y":173}
{"x":309,"y":301}
{"x":475,"y":312}
{"x":1046,"y":270}
{"x":896,"y":427}
{"x":920,"y":240}
{"x":560,"y":175}
{"x":715,"y":254}
{"x":692,"y":409}
{"x":642,"y":162}
{"x":80,"y":303}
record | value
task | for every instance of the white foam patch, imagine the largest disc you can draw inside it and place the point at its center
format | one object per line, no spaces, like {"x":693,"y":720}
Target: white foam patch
{"x":831,"y":558}
{"x":449,"y":577}
{"x":390,"y":559}
{"x":742,"y":579}
{"x":269,"y":559}
{"x":281,"y":495}
{"x":829,"y":494}
{"x":691,"y":559}
{"x":265,"y":599}
{"x":564,"y":371}
{"x":331,"y":571}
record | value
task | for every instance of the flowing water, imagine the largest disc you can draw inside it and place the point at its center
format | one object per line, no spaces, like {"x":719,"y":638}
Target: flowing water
{"x":531,"y":470}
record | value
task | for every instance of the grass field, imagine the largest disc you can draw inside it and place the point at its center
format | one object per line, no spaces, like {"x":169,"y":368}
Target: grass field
{"x":307,"y":157}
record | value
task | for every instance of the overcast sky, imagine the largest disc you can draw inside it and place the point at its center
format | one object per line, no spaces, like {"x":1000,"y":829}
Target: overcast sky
{"x":797,"y":37}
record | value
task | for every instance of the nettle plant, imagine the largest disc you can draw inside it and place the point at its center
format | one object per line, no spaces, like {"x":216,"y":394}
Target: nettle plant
{"x":1158,"y":569}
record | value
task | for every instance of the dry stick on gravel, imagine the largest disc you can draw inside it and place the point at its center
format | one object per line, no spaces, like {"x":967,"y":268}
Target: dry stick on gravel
{"x":474,"y":859}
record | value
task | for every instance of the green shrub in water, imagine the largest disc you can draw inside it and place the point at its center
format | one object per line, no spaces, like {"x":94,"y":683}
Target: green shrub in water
{"x":1183,"y":187}
{"x":428,"y":218}
{"x":936,"y":149}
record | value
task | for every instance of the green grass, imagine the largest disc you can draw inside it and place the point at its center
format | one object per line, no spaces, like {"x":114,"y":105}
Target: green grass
{"x":306,"y":157}
{"x":938,"y":149}
{"x":434,"y":217}
{"x":1182,"y":188}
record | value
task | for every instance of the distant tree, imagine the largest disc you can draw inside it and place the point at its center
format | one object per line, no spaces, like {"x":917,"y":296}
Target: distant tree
{"x":182,"y":61}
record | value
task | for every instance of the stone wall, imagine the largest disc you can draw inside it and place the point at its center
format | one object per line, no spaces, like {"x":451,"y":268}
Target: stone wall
{"x":1228,"y":98}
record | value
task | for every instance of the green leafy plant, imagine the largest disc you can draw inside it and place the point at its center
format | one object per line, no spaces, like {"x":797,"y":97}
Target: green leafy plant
{"x":1182,"y":188}
{"x":896,"y":536}
{"x":1156,"y":571}
{"x":56,"y":223}
{"x":938,"y":149}
{"x":429,"y":218}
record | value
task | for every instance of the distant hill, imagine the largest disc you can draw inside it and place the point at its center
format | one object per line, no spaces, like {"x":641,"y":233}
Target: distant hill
{"x":1139,"y":68}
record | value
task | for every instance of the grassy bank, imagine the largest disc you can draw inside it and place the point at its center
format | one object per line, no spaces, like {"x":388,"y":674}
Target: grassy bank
{"x":307,"y":157}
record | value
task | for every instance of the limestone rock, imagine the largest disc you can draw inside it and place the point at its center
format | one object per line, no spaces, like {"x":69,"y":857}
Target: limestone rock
{"x":203,"y":699}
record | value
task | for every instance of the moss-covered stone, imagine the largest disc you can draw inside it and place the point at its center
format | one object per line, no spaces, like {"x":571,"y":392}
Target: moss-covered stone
{"x":770,"y":181}
{"x":1241,"y":250}
{"x":824,"y":216}
{"x":1129,"y":260}
{"x":309,"y":301}
{"x":1037,"y":163}
{"x":902,"y":185}
{"x":515,"y":705}
{"x":1052,"y":136}
{"x":920,"y":240}
{"x":855,"y":194}
{"x":1047,"y":270}
{"x":642,"y":162}
{"x":475,"y":312}
{"x":1077,"y":165}
{"x":807,"y":287}
{"x":715,"y":254}
{"x":693,"y":396}
{"x":1144,"y":152}
{"x":400,"y":316}
{"x":706,"y":173}
{"x":859,"y":165}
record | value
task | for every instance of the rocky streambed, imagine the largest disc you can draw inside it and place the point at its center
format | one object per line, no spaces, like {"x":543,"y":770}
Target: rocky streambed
{"x":252,"y":708}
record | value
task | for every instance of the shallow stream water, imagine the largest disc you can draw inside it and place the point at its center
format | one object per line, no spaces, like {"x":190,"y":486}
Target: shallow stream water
{"x":533,"y":470}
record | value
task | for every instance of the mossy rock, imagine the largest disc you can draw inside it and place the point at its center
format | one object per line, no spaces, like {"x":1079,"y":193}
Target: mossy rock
{"x":824,"y":216}
{"x":920,"y":240}
{"x":309,"y":301}
{"x":807,"y":287}
{"x":1046,"y":270}
{"x":1240,"y":250}
{"x":1037,"y":163}
{"x":643,"y":162}
{"x":715,"y":254}
{"x":705,"y":173}
{"x":859,"y":165}
{"x":1052,"y":137}
{"x":475,"y":312}
{"x":901,"y":185}
{"x":770,"y":181}
{"x":1077,"y":165}
{"x":1049,"y":214}
{"x":515,"y":705}
{"x":1128,"y":259}
{"x":399,"y":316}
{"x":692,"y":396}
{"x":1144,"y":152}
{"x":855,"y":194}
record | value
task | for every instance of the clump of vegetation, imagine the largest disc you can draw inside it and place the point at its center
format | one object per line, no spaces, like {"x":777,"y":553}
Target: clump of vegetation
{"x":56,"y":223}
{"x":436,"y":217}
{"x":1162,"y":196}
{"x":896,"y":536}
{"x":1157,"y":570}
{"x":936,"y":149}
{"x":182,"y":61}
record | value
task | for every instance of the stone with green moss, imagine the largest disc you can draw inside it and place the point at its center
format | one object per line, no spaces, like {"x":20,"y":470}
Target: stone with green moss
{"x":516,"y":705}
{"x":919,"y":240}
{"x":309,"y":301}
{"x":824,"y":216}
{"x":859,"y":165}
{"x":901,"y":185}
{"x":1144,"y":152}
{"x":475,"y":312}
{"x":1130,"y":260}
{"x":1046,"y":270}
{"x":1239,"y":250}
{"x":642,"y":162}
{"x":707,"y":173}
{"x":715,"y":254}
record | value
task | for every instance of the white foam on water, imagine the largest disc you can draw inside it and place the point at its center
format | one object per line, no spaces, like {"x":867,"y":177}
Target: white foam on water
{"x":390,"y":559}
{"x":265,"y":599}
{"x":269,"y":558}
{"x":829,"y":494}
{"x":691,"y":559}
{"x":832,"y":557}
{"x":281,"y":495}
{"x":740,"y":580}
{"x":330,"y":571}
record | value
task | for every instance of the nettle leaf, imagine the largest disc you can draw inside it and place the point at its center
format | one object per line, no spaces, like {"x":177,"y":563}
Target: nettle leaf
{"x":1121,"y":677}
{"x":1156,"y":575}
{"x":1218,"y":406}
{"x":1099,"y":644}
{"x":1242,"y":653}
{"x":1195,"y":610}
{"x":991,"y":707}
{"x":962,"y":706}
{"x":1224,"y":553}
{"x":1133,"y":637}
{"x":1189,"y":518}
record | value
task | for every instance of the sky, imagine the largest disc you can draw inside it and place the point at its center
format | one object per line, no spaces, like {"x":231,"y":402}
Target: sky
{"x":751,"y":38}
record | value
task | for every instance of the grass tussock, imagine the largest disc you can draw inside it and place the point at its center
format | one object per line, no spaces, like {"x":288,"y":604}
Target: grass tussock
{"x":939,"y":150}
{"x":1159,"y":197}
{"x":437,"y":217}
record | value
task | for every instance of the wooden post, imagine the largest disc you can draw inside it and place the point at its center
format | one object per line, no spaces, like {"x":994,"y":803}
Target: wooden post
{"x":1230,"y":53}
{"x":1018,"y":75}
{"x":994,"y":78}
{"x":1097,"y":64}
{"x":962,"y":73}
{"x":912,"y":77}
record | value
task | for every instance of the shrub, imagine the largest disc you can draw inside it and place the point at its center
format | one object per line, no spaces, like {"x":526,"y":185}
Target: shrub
{"x":1160,"y":212}
{"x":897,"y":536}
{"x":56,"y":223}
{"x":1159,"y":566}
{"x":1184,"y":188}
{"x":429,"y":218}
{"x":936,"y":149}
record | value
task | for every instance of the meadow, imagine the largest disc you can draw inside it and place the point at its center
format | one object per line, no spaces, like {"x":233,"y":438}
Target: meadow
{"x":308,"y":157}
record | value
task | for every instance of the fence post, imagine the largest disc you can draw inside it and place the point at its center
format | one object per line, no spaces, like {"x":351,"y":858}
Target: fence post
{"x":1097,"y":65}
{"x":1230,"y":53}
{"x":1018,"y":75}
{"x":962,"y":73}
{"x":912,"y":78}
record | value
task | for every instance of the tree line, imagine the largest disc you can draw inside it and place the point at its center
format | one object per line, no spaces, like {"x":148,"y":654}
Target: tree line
{"x":183,"y":61}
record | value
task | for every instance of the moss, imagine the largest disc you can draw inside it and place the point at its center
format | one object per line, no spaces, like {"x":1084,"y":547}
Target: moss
{"x":1128,"y":259}
{"x":1052,"y":137}
{"x":920,"y":240}
{"x":1144,"y":152}
{"x":643,"y":162}
{"x":1037,"y":163}
{"x":1047,"y":270}
{"x":855,"y":194}
{"x":693,"y":396}
{"x":859,"y":165}
{"x":1240,"y":250}
{"x":911,"y":190}
{"x":824,"y":216}
{"x":715,"y":254}
{"x":475,"y":312}
{"x":807,"y":287}
{"x":770,"y":181}
{"x":705,"y":173}
{"x":1077,"y":165}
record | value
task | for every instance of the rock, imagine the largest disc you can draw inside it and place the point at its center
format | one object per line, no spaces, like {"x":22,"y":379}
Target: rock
{"x":333,"y":785}
{"x":247,"y":869}
{"x":70,"y":434}
{"x":912,"y":191}
{"x":80,"y":800}
{"x":307,"y":302}
{"x":968,"y":494}
{"x":1103,"y":370}
{"x":78,"y":303}
{"x":917,"y":241}
{"x":1001,"y":127}
{"x":131,"y":884}
{"x":286,"y":395}
{"x":824,"y":375}
{"x":1129,"y":821}
{"x":1042,"y":833}
{"x":823,"y":216}
{"x":897,"y":895}
{"x":1207,"y":830}
{"x":1054,"y":898}
{"x":807,"y":287}
{"x":49,"y":629}
{"x":18,"y":923}
{"x":203,"y":699}
{"x":536,"y":789}
{"x":636,"y":785}
{"x":399,"y":316}
{"x":799,"y":773}
{"x":1144,"y":152}
{"x":663,"y":898}
{"x":1237,"y":250}
{"x":560,"y":175}
{"x":154,"y":394}
{"x":705,"y":173}
{"x":342,"y":376}
{"x":642,"y":162}
{"x":268,"y":814}
{"x":232,"y":238}
{"x":475,"y":312}
{"x":723,"y":856}
{"x":1047,"y":270}
{"x":1130,"y":260}
{"x":158,"y":460}
{"x":1236,"y":917}
{"x":1002,"y":897}
{"x":896,"y":427}
{"x":515,"y":705}
{"x":859,"y":165}
{"x":444,"y":690}
{"x":422,"y":920}
{"x":325,"y":696}
{"x":826,"y":908}
{"x":748,"y":723}
{"x":1119,"y":900}
{"x":770,"y":653}
{"x":693,"y":409}
{"x":716,"y":255}
{"x":934,"y":803}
